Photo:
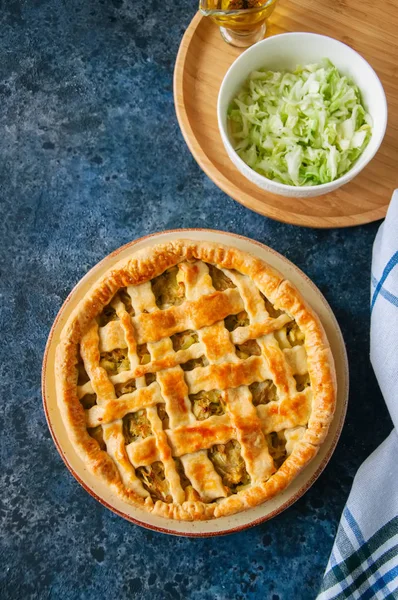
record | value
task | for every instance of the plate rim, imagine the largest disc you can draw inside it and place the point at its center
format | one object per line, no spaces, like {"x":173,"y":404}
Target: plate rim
{"x":226,"y":185}
{"x":289,"y":502}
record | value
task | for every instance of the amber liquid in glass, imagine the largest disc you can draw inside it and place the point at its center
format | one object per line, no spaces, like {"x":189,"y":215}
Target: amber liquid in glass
{"x":241,"y":21}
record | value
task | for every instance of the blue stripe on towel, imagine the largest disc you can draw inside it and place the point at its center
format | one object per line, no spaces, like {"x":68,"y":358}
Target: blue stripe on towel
{"x":387,"y":270}
{"x":385,"y":293}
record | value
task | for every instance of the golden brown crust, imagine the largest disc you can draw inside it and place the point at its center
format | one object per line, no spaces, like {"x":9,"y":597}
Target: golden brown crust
{"x":202,"y":312}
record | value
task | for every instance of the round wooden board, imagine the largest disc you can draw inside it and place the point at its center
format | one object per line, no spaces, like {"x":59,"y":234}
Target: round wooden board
{"x":204,"y":58}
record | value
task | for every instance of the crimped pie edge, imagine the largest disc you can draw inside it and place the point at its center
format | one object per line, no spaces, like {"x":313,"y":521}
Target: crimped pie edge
{"x":144,"y":265}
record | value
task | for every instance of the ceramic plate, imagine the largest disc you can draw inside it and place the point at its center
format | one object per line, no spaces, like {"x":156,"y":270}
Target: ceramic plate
{"x":241,"y":520}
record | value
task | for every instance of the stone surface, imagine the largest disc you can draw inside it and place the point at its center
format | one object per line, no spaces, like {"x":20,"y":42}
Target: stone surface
{"x":92,"y":157}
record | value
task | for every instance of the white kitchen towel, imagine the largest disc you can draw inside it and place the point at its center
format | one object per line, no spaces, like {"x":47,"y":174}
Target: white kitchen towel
{"x":364,"y":559}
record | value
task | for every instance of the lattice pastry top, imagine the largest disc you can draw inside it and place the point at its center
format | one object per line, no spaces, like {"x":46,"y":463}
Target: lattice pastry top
{"x":195,"y":380}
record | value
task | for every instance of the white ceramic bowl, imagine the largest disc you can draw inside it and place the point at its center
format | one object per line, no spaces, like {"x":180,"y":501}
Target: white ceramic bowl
{"x":285,"y":52}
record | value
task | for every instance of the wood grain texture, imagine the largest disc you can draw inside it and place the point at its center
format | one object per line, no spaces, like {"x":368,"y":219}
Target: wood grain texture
{"x":203,"y":59}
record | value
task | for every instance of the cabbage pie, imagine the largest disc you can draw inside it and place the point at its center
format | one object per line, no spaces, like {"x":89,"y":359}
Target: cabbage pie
{"x":194,"y":380}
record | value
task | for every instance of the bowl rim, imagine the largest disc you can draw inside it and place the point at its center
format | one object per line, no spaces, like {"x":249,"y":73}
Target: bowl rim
{"x":169,"y":530}
{"x":358,"y":165}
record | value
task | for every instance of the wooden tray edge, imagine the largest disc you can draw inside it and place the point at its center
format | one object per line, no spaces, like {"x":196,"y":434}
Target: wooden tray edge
{"x":229,"y":188}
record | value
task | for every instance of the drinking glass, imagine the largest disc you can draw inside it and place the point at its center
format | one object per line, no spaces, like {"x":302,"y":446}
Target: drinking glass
{"x":242,"y":22}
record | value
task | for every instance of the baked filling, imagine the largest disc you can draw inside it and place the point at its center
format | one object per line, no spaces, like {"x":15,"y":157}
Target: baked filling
{"x":88,"y":401}
{"x":220,"y":280}
{"x":107,"y":315}
{"x":249,"y":348}
{"x":277,"y":447}
{"x":125,"y":388}
{"x":126,"y":299}
{"x":270,"y":308}
{"x":136,"y":426}
{"x":184,"y":340}
{"x":217,"y":393}
{"x":154,"y":480}
{"x":185,"y":483}
{"x":143,"y":354}
{"x":163,"y":416}
{"x":229,"y":464}
{"x":232,"y":322}
{"x":82,"y":376}
{"x":302,"y":382}
{"x":192,"y":364}
{"x":294,"y":334}
{"x":290,"y":336}
{"x":263,"y":392}
{"x":97,"y":434}
{"x":167,"y":290}
{"x":115,"y":362}
{"x":150,"y":378}
{"x":206,"y":404}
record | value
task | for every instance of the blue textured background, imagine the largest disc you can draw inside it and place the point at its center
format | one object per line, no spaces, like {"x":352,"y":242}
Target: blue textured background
{"x":92,"y":157}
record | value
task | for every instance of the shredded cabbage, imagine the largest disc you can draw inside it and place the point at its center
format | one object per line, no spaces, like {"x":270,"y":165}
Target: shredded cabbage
{"x":302,"y":128}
